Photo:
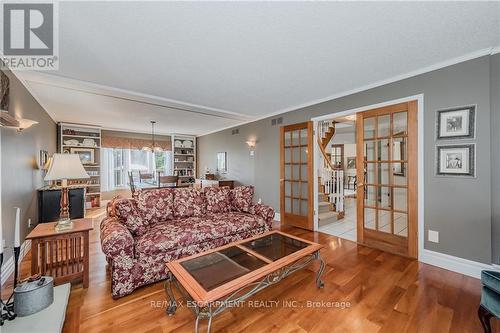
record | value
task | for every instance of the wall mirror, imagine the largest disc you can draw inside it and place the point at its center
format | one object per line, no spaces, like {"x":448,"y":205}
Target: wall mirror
{"x":222,"y":162}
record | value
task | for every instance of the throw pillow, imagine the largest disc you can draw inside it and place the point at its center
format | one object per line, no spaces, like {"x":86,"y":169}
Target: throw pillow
{"x":188,"y":202}
{"x":218,"y":200}
{"x":156,"y":205}
{"x":242,"y":198}
{"x":130,"y":216}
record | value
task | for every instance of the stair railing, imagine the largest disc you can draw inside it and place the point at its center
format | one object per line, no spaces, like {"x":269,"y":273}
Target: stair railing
{"x":323,"y":127}
{"x":333,"y":182}
{"x":332,"y":178}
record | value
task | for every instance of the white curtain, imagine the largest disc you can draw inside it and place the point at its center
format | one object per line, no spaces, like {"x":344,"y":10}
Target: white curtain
{"x":107,"y":179}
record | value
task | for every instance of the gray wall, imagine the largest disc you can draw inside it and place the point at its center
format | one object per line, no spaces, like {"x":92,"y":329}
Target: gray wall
{"x":459,"y":208}
{"x":20,"y":178}
{"x":495,"y":157}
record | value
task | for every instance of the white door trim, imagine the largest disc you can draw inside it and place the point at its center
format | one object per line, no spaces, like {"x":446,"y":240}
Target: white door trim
{"x":420,"y":101}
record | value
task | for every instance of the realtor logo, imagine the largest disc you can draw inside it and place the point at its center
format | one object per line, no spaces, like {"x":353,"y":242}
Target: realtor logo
{"x":29,"y":36}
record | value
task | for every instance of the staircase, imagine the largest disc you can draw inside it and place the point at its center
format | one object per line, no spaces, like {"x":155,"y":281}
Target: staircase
{"x":330,"y":180}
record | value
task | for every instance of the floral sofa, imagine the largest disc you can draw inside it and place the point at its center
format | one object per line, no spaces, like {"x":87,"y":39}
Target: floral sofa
{"x":140,"y":235}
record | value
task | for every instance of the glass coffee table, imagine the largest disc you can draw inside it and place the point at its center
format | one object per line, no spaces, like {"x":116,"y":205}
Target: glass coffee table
{"x":215,"y":280}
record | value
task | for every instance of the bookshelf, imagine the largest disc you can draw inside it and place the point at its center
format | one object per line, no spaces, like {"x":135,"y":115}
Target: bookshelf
{"x":86,"y":141}
{"x":184,"y":158}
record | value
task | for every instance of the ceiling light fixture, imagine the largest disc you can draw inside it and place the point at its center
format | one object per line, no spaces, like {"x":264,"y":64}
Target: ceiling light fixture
{"x":6,"y":120}
{"x":153,"y":147}
{"x":351,"y":117}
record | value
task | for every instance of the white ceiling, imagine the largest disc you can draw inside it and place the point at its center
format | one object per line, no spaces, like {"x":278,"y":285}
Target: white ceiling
{"x":125,"y":63}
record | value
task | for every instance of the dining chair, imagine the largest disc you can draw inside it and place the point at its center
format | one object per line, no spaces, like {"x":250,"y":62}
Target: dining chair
{"x":145,"y":176}
{"x":131,"y":181}
{"x":168,"y":180}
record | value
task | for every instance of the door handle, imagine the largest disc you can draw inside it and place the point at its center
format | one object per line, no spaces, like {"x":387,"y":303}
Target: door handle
{"x":361,"y":185}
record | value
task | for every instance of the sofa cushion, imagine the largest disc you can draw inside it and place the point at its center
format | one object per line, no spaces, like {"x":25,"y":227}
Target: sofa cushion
{"x":188,"y":202}
{"x":163,"y":237}
{"x":218,"y":200}
{"x":241,"y":198}
{"x":156,"y":205}
{"x":130,"y":216}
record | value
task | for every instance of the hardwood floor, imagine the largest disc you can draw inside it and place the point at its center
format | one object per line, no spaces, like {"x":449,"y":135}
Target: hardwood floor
{"x":380,"y":292}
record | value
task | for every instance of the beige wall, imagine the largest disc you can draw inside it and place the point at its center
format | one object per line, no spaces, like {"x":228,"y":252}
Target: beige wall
{"x":20,"y":177}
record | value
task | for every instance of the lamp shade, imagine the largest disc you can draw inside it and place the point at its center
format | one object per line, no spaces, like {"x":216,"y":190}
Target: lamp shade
{"x":66,"y":166}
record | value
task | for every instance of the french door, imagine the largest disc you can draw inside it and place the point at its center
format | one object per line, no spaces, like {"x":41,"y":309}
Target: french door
{"x":386,"y":143}
{"x":296,"y":176}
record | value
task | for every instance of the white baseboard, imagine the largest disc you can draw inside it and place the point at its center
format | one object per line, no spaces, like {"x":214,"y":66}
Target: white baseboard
{"x":8,"y":266}
{"x":455,"y":264}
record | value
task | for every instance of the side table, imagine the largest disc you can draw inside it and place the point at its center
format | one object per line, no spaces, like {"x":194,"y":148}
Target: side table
{"x":63,"y":255}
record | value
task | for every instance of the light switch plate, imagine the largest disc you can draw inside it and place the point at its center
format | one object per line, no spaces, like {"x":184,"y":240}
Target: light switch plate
{"x":433,"y":236}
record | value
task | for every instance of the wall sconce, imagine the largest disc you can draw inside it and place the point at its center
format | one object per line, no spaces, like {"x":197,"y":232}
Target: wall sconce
{"x":251,"y":146}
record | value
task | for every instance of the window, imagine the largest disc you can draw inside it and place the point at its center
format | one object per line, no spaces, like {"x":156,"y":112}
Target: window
{"x":116,"y":163}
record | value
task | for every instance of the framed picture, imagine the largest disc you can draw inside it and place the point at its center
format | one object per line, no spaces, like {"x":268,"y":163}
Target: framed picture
{"x":222,"y":162}
{"x":351,"y":163}
{"x":456,"y":123}
{"x":86,"y":155}
{"x":456,"y":160}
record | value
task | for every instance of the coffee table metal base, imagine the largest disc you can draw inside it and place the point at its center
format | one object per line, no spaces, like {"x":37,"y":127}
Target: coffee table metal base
{"x":211,"y":310}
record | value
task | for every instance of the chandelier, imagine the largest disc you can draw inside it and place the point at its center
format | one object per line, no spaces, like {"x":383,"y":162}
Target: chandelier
{"x":153,"y":147}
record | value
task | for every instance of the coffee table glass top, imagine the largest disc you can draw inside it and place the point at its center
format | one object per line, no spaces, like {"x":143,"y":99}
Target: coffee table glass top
{"x":217,"y":268}
{"x":275,"y":246}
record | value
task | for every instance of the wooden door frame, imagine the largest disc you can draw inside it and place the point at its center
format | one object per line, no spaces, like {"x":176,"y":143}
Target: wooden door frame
{"x":310,"y":174}
{"x":420,"y":211}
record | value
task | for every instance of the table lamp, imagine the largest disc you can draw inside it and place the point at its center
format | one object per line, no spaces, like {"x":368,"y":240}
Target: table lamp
{"x":64,"y":167}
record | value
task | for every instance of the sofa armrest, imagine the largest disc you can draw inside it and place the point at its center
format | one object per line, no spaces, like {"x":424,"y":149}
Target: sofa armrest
{"x":116,"y":239}
{"x":264,"y":211}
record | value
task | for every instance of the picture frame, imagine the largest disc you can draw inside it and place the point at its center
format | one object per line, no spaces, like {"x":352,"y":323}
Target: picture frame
{"x":222,"y":162}
{"x":456,"y":160}
{"x":351,"y":163}
{"x":86,"y":155}
{"x":456,"y":123}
